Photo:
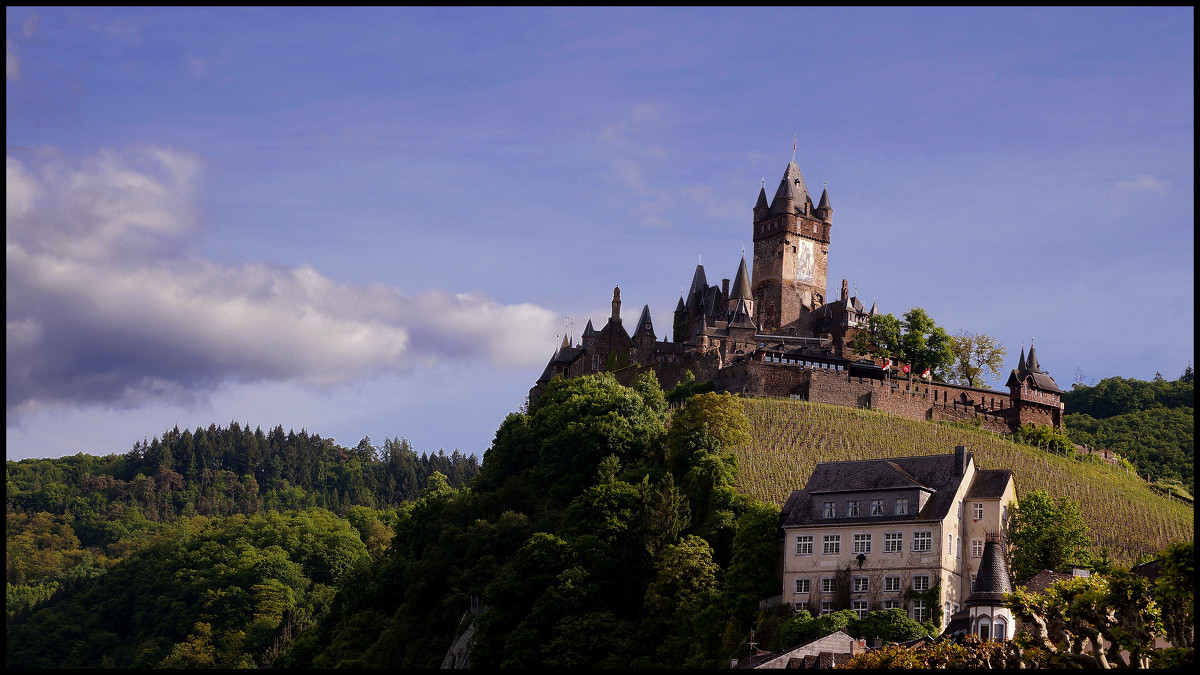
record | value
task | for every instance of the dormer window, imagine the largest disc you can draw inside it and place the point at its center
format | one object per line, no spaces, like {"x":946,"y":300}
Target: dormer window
{"x":852,"y":508}
{"x":877,"y":507}
{"x":902,"y":506}
{"x":828,"y":511}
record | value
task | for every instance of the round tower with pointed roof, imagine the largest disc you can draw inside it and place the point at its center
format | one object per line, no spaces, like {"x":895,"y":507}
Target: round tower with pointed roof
{"x":791,"y":256}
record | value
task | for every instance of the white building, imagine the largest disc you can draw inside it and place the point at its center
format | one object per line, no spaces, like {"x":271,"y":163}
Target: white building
{"x":876,"y":534}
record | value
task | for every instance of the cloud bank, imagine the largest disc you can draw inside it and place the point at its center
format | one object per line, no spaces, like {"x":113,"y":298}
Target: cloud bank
{"x":108,"y":303}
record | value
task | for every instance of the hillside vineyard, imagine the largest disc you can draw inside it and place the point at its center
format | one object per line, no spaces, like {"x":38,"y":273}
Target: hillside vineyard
{"x":773,"y":333}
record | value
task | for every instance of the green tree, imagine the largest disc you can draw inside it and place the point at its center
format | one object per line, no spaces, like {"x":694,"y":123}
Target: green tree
{"x":917,"y":341}
{"x":924,"y":344}
{"x":976,"y":355}
{"x":1047,"y":535}
{"x":890,"y":625}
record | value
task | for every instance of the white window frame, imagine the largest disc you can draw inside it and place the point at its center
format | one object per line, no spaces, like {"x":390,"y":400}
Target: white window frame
{"x":922,"y":541}
{"x":829,"y":585}
{"x":919,"y":611}
{"x":826,"y":608}
{"x":891,"y":604}
{"x":804,"y":544}
{"x":828,"y":510}
{"x":862,"y":543}
{"x":977,"y":510}
{"x":901,"y":506}
{"x":976,"y":548}
{"x":877,"y":507}
{"x":852,"y":508}
{"x":831,"y":544}
{"x":803,"y":586}
{"x":859,"y":607}
{"x":891,"y":584}
{"x":920,"y":582}
{"x":893,"y":542}
{"x":860,"y":585}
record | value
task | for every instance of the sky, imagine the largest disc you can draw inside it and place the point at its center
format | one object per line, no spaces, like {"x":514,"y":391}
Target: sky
{"x":380,"y":222}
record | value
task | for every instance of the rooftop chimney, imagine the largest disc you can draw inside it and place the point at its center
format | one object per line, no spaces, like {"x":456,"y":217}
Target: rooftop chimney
{"x":960,"y":460}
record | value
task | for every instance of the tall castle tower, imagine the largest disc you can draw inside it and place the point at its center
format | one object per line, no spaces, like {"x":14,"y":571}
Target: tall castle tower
{"x":791,"y":256}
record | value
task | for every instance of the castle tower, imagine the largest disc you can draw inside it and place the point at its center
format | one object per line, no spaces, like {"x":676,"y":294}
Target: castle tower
{"x":791,"y":256}
{"x":740,"y":294}
{"x":643,"y":337}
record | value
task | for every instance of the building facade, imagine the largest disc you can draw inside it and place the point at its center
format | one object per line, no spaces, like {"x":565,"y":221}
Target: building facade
{"x":906,"y":532}
{"x":773,"y":332}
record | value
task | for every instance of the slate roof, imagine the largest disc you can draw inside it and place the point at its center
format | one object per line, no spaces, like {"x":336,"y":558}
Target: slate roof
{"x":933,"y":473}
{"x":699,"y":286}
{"x":762,"y":199}
{"x":989,"y":483}
{"x":1029,"y":368}
{"x":790,"y":186}
{"x":645,"y":327}
{"x":824,"y":204}
{"x":1043,"y":580}
{"x":741,"y":287}
{"x":991,"y":582}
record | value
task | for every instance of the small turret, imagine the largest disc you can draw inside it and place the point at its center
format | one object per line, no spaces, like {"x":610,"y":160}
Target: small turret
{"x":589,"y":335}
{"x":824,"y":211}
{"x":760,"y":207}
{"x":644,"y":327}
{"x":741,"y":290}
{"x":679,"y":327}
{"x":792,"y":192}
{"x":616,"y":305}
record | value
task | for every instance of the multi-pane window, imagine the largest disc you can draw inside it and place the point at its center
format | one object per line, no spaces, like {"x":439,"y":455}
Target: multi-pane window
{"x":861,"y":584}
{"x":862,"y":543}
{"x":852,"y":507}
{"x":922,"y":541}
{"x":893,"y":542}
{"x":920,"y":582}
{"x":902,"y":506}
{"x":919,"y":612}
{"x":803,"y":585}
{"x":877,"y":507}
{"x":828,"y":511}
{"x":891,"y":604}
{"x":976,"y":548}
{"x":977,"y":510}
{"x":831,"y":544}
{"x":804,"y":544}
{"x":829,"y":585}
{"x":826,"y":608}
{"x":860,"y":608}
{"x":973,"y":581}
{"x":891,"y":584}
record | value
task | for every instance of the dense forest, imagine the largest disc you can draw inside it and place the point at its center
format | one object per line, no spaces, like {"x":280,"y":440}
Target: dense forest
{"x":1151,"y":424}
{"x":76,"y":527}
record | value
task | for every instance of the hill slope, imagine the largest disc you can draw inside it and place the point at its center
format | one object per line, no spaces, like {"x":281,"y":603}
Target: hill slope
{"x":790,"y":437}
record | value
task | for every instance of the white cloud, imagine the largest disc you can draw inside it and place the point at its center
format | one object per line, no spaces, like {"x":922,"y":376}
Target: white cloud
{"x":12,"y":66}
{"x":1126,"y":192}
{"x":107,"y":303}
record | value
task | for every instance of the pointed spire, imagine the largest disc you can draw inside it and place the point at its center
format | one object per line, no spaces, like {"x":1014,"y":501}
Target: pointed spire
{"x":792,"y":187}
{"x":616,"y":304}
{"x":741,"y":287}
{"x":824,"y":203}
{"x":761,"y":204}
{"x":680,"y":307}
{"x":699,"y":286}
{"x":588,"y":329}
{"x":991,"y":583}
{"x":874,"y":308}
{"x":644,"y":326}
{"x":1021,"y":369}
{"x":1031,"y":363}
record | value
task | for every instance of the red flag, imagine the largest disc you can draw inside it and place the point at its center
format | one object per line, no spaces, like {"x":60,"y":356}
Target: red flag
{"x":905,"y":368}
{"x":926,"y":374}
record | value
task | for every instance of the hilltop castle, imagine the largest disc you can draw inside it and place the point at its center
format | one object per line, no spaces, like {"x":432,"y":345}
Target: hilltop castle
{"x":774,"y":334}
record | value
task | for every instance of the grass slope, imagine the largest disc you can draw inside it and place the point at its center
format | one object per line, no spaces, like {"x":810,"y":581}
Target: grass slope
{"x":790,"y":437}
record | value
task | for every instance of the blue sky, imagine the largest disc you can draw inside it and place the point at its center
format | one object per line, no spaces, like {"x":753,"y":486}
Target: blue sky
{"x":377,"y":221}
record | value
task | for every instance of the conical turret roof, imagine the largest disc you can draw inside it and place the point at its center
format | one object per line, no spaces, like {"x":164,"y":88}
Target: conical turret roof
{"x":644,"y":326}
{"x":741,"y":286}
{"x":699,"y":286}
{"x":791,"y":186}
{"x":1031,"y":363}
{"x":824,"y":204}
{"x":588,"y":329}
{"x":762,"y":199}
{"x":992,"y":582}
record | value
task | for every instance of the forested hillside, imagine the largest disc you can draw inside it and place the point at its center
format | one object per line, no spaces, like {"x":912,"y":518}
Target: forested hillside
{"x":75,"y":525}
{"x":1152,"y":424}
{"x":1125,"y":516}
